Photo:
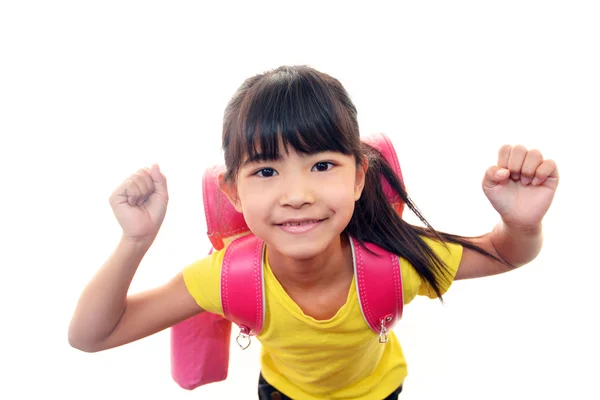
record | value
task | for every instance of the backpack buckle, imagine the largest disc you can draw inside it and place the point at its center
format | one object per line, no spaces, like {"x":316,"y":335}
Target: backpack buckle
{"x":243,"y":338}
{"x":383,"y":331}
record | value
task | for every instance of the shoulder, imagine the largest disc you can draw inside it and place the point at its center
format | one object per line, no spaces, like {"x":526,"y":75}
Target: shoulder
{"x":203,"y":281}
{"x":449,"y":253}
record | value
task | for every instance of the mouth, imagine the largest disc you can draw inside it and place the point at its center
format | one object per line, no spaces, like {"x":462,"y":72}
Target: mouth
{"x":300,"y":226}
{"x":300,"y":222}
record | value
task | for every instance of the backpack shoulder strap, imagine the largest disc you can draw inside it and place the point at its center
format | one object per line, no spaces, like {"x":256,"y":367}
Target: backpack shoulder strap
{"x":379,"y":287}
{"x":242,"y":282}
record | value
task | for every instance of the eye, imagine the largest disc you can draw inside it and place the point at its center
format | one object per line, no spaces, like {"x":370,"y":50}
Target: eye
{"x":323,"y":166}
{"x":266,"y":172}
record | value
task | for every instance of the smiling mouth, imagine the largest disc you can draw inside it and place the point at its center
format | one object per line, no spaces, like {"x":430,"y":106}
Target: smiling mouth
{"x":301,"y":223}
{"x":296,"y":227}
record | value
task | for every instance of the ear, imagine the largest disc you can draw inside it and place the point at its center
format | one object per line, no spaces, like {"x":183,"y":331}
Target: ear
{"x":359,"y":182}
{"x":230,"y":191}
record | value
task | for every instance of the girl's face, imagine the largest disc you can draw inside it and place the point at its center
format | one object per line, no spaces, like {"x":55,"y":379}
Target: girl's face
{"x":298,"y":204}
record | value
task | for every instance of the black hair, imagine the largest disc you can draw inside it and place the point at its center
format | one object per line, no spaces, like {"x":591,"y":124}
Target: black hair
{"x":311,"y":112}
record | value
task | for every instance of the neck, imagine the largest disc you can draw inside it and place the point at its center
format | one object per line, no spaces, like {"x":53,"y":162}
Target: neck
{"x":314,"y":273}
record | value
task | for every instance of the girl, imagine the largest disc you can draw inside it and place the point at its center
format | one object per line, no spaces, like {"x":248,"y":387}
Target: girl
{"x":305,"y":182}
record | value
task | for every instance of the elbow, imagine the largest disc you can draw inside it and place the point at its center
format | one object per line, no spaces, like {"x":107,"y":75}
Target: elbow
{"x":80,"y":345}
{"x":79,"y":342}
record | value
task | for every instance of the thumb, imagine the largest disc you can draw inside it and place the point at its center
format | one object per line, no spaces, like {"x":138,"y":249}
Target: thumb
{"x":160,"y":181}
{"x":495,"y":176}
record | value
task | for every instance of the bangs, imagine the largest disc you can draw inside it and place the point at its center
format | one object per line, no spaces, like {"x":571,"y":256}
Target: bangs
{"x":292,"y":110}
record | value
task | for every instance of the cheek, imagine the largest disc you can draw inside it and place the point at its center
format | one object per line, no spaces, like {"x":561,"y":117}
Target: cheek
{"x":254,"y":202}
{"x":340,"y":195}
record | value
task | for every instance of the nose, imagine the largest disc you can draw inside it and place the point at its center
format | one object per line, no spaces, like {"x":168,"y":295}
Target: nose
{"x":296,"y":192}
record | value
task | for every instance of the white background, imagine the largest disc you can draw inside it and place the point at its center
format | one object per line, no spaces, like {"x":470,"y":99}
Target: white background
{"x":91,"y":91}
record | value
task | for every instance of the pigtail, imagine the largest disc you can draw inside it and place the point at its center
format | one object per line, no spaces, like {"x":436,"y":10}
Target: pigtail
{"x":376,"y":221}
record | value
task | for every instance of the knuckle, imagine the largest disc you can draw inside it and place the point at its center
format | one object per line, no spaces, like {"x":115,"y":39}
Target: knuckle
{"x":520,"y":149}
{"x":131,"y":187}
{"x":535,"y":152}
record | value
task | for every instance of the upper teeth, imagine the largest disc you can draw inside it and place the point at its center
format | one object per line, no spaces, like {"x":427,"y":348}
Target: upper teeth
{"x":299,"y":223}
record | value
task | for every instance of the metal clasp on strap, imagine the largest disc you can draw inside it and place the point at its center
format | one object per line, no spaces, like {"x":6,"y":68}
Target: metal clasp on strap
{"x":383,"y":331}
{"x":243,"y":338}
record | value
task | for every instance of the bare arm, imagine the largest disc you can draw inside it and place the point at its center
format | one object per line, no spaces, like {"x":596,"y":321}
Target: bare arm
{"x":106,"y":317}
{"x":514,"y":245}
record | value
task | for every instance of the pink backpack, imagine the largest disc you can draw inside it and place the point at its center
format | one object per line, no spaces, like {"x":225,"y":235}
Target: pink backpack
{"x":200,"y":345}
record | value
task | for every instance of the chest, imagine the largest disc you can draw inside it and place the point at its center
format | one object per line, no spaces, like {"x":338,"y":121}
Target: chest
{"x":321,"y":304}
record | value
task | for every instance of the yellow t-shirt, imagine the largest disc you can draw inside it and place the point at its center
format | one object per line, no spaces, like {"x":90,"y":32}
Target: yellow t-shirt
{"x":338,"y":358}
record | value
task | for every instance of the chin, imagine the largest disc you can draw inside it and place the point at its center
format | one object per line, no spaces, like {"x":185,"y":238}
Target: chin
{"x":300,"y":248}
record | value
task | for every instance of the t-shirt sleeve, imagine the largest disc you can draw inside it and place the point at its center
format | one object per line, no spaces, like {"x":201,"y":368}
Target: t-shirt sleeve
{"x":413,"y":285}
{"x":203,"y":281}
